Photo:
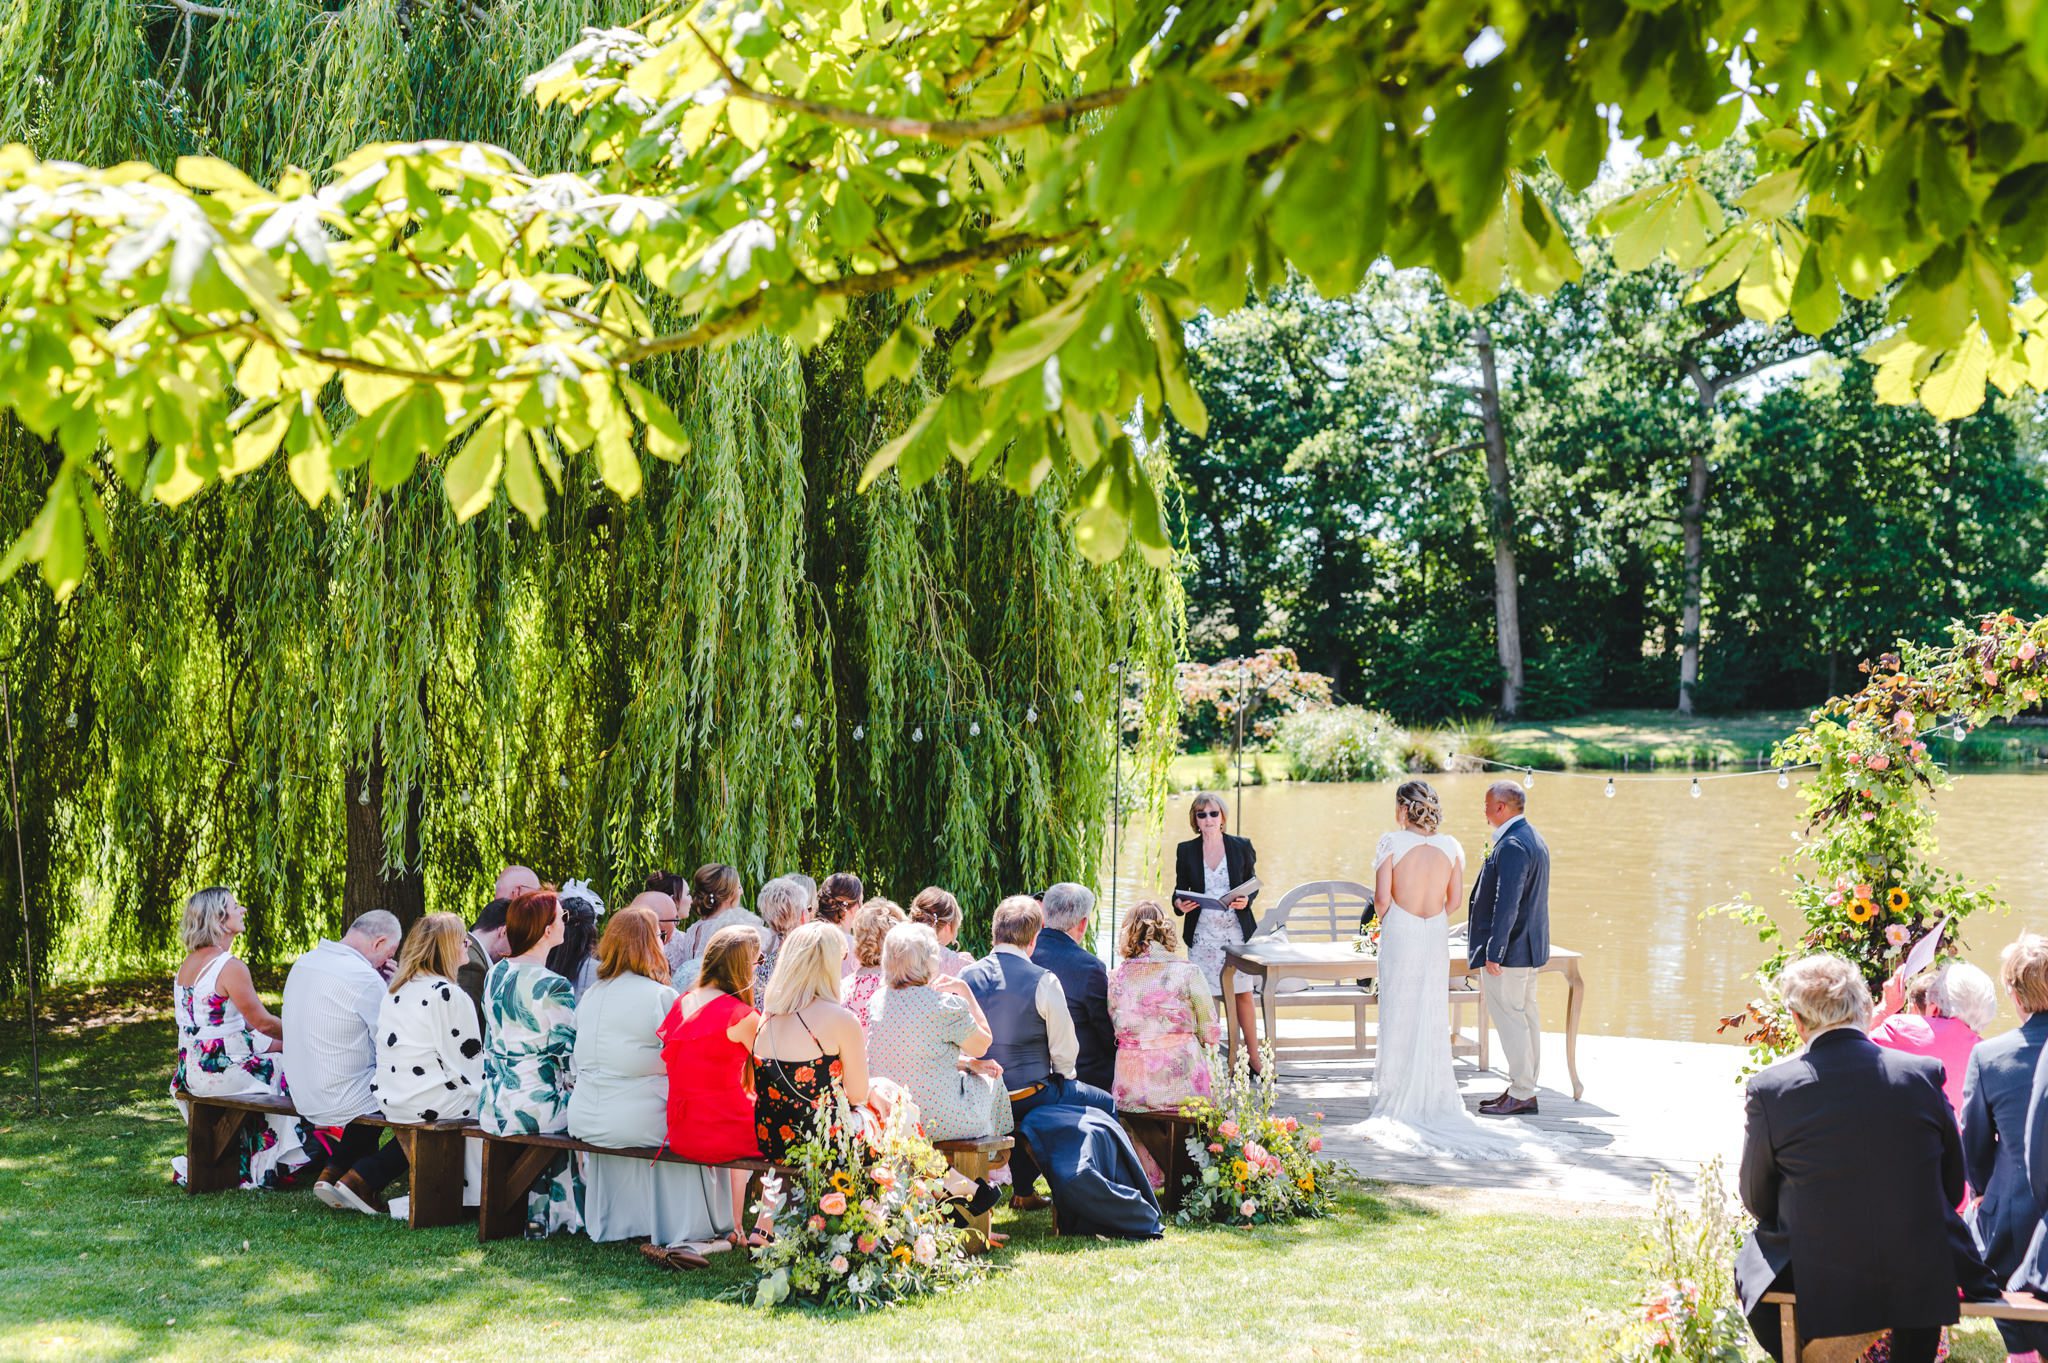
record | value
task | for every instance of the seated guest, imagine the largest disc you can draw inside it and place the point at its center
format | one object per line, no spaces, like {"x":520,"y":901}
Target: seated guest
{"x":1067,"y":1128}
{"x":429,"y":1052}
{"x":228,"y":1042}
{"x":1945,"y":1013}
{"x":924,"y":1027}
{"x":486,"y":945}
{"x":2001,"y":1091}
{"x":706,"y":1040}
{"x":1164,"y":1020}
{"x":332,"y":999}
{"x":871,"y":923}
{"x":1062,"y":949}
{"x":806,"y":1043}
{"x":840,"y":896}
{"x":784,"y":908}
{"x":715,"y":897}
{"x":666,"y":916}
{"x":938,"y":910}
{"x":513,"y":882}
{"x":621,"y":1094}
{"x":529,"y":1053}
{"x":575,"y":960}
{"x":1884,"y":1249}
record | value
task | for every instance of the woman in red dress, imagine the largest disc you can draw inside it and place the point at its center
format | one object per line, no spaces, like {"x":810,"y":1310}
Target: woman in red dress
{"x":705,"y":1044}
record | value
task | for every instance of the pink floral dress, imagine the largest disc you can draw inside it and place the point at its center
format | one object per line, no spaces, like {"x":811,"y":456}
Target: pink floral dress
{"x":1159,"y":1005}
{"x":219,"y":1056}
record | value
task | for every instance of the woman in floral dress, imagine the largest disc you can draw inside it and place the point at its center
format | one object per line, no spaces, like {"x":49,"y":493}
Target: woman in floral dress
{"x":529,"y":1050}
{"x":229,"y":1044}
{"x":1165,"y":1023}
{"x":871,"y":923}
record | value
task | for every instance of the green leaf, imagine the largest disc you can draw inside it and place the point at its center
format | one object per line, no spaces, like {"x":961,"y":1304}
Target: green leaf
{"x":1956,"y":388}
{"x":471,"y":476}
{"x":1031,"y":342}
{"x":257,"y":441}
{"x":895,"y":358}
{"x":664,"y":434}
{"x":1181,"y":397}
{"x":522,"y":475}
{"x":1816,"y":303}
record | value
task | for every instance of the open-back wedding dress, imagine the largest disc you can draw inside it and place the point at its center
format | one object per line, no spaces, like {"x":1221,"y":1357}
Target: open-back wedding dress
{"x":1416,"y":1108}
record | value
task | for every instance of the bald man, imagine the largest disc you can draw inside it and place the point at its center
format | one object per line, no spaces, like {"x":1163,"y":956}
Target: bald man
{"x":513,"y":882}
{"x":662,"y":907}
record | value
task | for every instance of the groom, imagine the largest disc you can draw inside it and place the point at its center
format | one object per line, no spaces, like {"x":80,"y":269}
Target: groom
{"x":1509,"y":935}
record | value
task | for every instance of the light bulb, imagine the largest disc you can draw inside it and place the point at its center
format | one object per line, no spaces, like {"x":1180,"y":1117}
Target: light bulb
{"x":1115,"y":668}
{"x":71,"y":720}
{"x":1450,"y":757}
{"x":562,"y":779}
{"x":1528,"y":780}
{"x":860,"y":731}
{"x":1031,"y":714}
{"x":917,"y":734}
{"x":1783,"y":779}
{"x":1078,"y":697}
{"x":1610,"y":787}
{"x":797,"y":720}
{"x":1695,"y":787}
{"x":974,"y":729}
{"x":363,"y":796}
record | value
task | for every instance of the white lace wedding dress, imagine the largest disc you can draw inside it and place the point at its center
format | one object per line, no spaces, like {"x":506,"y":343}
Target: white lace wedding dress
{"x":1416,"y":1108}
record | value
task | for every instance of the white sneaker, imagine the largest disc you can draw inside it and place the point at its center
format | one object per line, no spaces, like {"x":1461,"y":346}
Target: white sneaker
{"x":329,"y":1195}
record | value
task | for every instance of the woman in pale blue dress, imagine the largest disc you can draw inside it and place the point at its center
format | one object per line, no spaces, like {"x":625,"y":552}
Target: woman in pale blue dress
{"x":926,"y":1032}
{"x":529,"y":1054}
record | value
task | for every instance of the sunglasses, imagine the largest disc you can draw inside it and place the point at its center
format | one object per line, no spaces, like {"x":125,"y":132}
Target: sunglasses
{"x":1209,"y":814}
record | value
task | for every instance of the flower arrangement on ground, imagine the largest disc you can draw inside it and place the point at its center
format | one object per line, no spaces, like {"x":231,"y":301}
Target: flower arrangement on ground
{"x":1253,"y":1166}
{"x":1862,"y":879}
{"x":1687,"y":1312}
{"x":863,"y":1220}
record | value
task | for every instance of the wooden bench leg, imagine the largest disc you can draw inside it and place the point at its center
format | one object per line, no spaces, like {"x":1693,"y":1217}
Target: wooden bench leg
{"x":1788,"y":1332}
{"x":434,"y":1160}
{"x":509,"y":1174}
{"x":973,"y":1164}
{"x":211,"y":1162}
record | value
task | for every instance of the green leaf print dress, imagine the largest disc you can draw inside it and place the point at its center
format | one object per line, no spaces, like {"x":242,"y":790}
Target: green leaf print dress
{"x":530,"y":1042}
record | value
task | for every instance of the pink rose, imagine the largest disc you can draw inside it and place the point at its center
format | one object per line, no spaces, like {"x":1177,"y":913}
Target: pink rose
{"x":839,"y":1265}
{"x":1990,"y":677}
{"x":1897,"y":934}
{"x":925,"y":1249}
{"x":1215,"y":1147}
{"x":1228,"y":1129}
{"x":1315,"y":1116}
{"x":833,"y":1204}
{"x":1834,"y":897}
{"x":1255,"y":1152}
{"x":1855,"y":759}
{"x":1247,"y":1208}
{"x":1863,"y":892}
{"x":866,"y":1244}
{"x":1315,"y":1143}
{"x":1879,"y":762}
{"x":2027,"y":651}
{"x":883,"y":1175}
{"x":817,"y":1225}
{"x":1289,"y":1124}
{"x":1870,"y":816}
{"x":1903,"y":721}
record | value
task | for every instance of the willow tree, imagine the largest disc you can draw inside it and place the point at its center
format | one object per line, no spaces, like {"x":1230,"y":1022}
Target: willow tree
{"x":376,"y":697}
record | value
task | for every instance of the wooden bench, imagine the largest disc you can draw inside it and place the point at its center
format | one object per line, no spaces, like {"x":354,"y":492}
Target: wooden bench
{"x":512,"y":1163}
{"x":1848,"y":1348}
{"x":433,"y":1152}
{"x":1164,"y":1136}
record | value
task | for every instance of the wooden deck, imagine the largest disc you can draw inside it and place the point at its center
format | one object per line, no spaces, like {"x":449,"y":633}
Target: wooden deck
{"x":1649,"y":1106}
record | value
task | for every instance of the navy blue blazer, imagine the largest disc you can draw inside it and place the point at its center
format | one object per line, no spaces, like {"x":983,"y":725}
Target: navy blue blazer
{"x":1852,"y":1167}
{"x":1998,"y":1092}
{"x":1085,"y":979}
{"x":1510,"y":907}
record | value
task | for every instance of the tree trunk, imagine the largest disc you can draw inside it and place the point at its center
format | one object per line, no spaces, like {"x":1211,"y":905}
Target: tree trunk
{"x":1692,"y":522}
{"x":368,"y":882}
{"x":1500,"y":522}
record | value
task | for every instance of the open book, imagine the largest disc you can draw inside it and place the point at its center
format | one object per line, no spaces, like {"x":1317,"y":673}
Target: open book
{"x":1248,"y":889}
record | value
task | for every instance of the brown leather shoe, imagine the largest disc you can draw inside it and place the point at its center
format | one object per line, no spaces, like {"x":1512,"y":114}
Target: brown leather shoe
{"x":675,"y":1258}
{"x":358,"y":1195}
{"x":1508,"y":1106}
{"x":1028,"y":1202}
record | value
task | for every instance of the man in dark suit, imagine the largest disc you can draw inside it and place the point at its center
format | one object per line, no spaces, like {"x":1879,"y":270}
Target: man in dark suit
{"x":486,"y":943}
{"x":1509,"y":936}
{"x":1061,"y":949}
{"x":1852,"y":1167}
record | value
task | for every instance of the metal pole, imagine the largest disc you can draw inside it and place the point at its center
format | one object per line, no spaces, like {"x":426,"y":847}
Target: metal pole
{"x":1116,"y":808}
{"x":1237,"y":751}
{"x":28,"y":945}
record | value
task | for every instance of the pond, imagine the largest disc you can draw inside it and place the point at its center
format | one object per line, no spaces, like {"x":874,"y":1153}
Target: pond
{"x":1631,"y":874}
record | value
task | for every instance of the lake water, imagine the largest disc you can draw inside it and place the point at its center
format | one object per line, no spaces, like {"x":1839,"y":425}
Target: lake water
{"x":1630,"y":875}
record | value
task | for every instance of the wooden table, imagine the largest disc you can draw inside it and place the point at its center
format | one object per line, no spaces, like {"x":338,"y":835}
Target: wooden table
{"x":1338,"y":961}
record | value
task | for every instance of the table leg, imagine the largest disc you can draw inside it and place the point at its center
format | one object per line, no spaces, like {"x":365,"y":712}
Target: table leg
{"x":1574,"y":1004}
{"x":1485,"y":1029}
{"x":1225,"y":980}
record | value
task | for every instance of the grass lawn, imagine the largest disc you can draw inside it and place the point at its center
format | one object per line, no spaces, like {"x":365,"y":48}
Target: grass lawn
{"x":101,"y":1259}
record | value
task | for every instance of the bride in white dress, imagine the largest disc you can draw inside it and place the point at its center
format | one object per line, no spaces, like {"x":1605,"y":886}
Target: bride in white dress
{"x":1418,"y":877}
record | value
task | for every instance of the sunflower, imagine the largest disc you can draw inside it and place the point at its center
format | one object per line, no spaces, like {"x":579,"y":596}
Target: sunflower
{"x":1862,"y":911}
{"x":1899,"y":900}
{"x":843,"y":1181}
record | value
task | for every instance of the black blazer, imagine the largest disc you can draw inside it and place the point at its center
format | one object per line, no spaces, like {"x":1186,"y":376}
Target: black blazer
{"x":1852,"y":1167}
{"x":1189,"y":874}
{"x":1085,"y":981}
{"x":1999,"y":1106}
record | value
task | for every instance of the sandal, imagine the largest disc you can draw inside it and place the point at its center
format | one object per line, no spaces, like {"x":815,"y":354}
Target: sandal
{"x":759,"y":1239}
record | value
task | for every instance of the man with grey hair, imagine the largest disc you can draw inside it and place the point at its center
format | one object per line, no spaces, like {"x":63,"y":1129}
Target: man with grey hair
{"x":1879,"y":1249}
{"x":1063,"y":949}
{"x":331,"y":998}
{"x":1508,"y":935}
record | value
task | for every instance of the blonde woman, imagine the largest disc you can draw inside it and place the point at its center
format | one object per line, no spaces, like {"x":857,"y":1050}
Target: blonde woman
{"x":1212,"y":863}
{"x":807,"y":1042}
{"x":229,"y":1043}
{"x":430,"y":1055}
{"x":871,"y":923}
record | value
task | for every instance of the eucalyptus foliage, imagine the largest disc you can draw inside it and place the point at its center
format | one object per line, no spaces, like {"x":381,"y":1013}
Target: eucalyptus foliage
{"x":383,"y":693}
{"x":1062,"y":185}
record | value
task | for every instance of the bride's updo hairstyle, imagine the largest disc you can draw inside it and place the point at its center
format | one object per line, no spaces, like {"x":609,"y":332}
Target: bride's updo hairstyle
{"x":1419,"y":801}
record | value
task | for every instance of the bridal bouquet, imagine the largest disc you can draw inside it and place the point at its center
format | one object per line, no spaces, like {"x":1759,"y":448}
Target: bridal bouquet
{"x":863,"y":1220}
{"x":1252,"y":1165}
{"x":1367,"y":943}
